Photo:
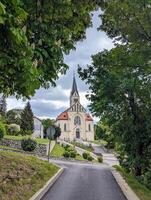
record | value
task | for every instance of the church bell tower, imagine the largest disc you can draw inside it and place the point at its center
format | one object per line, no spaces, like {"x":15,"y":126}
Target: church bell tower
{"x":74,"y":95}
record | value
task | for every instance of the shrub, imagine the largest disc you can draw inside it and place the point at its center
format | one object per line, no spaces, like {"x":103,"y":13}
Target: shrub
{"x":24,"y":133}
{"x":90,"y":158}
{"x":66,"y":154}
{"x":85,"y":155}
{"x":13,"y":129}
{"x":73,"y":154}
{"x":66,"y":147}
{"x":2,"y":130}
{"x":28,"y":144}
{"x":100,"y":159}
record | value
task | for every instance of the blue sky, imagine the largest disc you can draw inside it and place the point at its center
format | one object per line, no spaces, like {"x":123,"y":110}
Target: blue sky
{"x":49,"y":103}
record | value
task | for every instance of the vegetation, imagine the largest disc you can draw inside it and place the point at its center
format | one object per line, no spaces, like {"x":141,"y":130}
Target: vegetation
{"x":34,"y":36}
{"x":2,"y":130}
{"x":12,"y":117}
{"x":81,"y":145}
{"x":13,"y":129}
{"x":3,"y":106}
{"x":87,"y":156}
{"x":28,"y":144}
{"x":141,"y":191}
{"x":100,"y":159}
{"x":46,"y":124}
{"x":120,"y":83}
{"x":27,"y":121}
{"x":20,"y":173}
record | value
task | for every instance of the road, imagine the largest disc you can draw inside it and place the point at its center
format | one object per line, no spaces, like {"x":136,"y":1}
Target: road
{"x":82,"y":181}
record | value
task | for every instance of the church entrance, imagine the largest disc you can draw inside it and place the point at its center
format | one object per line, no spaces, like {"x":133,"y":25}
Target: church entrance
{"x":78,"y":133}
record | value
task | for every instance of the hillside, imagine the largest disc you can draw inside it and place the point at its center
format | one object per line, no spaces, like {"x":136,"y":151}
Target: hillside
{"x":21,"y":176}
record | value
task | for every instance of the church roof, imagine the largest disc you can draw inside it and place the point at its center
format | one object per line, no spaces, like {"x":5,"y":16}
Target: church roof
{"x":74,"y":87}
{"x":88,"y":117}
{"x":63,"y":116}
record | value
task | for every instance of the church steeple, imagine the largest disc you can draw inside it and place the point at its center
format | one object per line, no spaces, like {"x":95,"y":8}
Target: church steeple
{"x":74,"y":95}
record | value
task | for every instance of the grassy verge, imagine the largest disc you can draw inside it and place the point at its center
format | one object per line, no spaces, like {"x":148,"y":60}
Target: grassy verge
{"x":101,"y":142}
{"x":141,"y":191}
{"x":82,"y":146}
{"x":21,"y":176}
{"x":38,"y":140}
{"x":58,"y":151}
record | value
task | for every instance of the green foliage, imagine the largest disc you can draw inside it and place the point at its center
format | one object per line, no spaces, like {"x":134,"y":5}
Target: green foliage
{"x":57,"y":132}
{"x":3,"y":106}
{"x":12,"y":117}
{"x":27,"y":122}
{"x":34,"y":37}
{"x":100,"y":159}
{"x":13,"y":129}
{"x":28,"y":144}
{"x":46,"y":124}
{"x":90,"y":158}
{"x":66,"y":154}
{"x":85,"y":155}
{"x":120,"y":83}
{"x":2,"y":130}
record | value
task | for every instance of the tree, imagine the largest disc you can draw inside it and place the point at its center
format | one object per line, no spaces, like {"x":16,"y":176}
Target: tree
{"x":27,"y":122}
{"x":34,"y":37}
{"x":12,"y":117}
{"x":57,"y":132}
{"x":46,"y":124}
{"x":3,"y":105}
{"x":120,"y":94}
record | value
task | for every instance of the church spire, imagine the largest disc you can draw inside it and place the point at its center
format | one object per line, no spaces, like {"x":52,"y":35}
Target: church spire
{"x":74,"y":86}
{"x":74,"y":96}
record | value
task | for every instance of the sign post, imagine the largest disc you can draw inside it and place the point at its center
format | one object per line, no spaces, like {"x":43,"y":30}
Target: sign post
{"x":50,"y":134}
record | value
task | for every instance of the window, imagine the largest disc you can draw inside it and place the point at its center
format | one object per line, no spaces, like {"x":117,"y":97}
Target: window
{"x":77,"y":120}
{"x":65,"y":127}
{"x":89,"y":127}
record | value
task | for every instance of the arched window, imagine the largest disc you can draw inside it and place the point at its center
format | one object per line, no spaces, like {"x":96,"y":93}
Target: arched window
{"x":77,"y":120}
{"x":65,"y":127}
{"x":89,"y":127}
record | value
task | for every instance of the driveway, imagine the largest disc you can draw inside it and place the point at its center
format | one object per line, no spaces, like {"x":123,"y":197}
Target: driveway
{"x":82,"y":181}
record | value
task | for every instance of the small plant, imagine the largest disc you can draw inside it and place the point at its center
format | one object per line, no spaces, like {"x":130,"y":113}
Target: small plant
{"x":13,"y":129}
{"x":100,"y":159}
{"x":66,"y":154}
{"x":85,"y":155}
{"x":66,"y":147}
{"x":90,"y":158}
{"x":73,"y":154}
{"x":2,"y":130}
{"x":28,"y":144}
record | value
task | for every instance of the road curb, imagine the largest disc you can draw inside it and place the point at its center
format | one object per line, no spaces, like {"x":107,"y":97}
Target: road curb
{"x":127,"y":191}
{"x":38,"y":195}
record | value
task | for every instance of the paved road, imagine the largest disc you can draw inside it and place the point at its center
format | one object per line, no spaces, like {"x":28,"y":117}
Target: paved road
{"x":84,"y":182}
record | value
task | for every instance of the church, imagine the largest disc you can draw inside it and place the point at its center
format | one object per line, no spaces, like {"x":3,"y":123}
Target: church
{"x":75,"y":122}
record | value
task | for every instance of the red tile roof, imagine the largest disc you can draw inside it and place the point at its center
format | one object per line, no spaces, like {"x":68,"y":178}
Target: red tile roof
{"x":88,"y":117}
{"x":63,"y":116}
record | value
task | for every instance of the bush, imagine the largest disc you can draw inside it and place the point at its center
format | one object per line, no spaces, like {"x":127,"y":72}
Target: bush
{"x":66,"y":154}
{"x":2,"y":130}
{"x":24,"y":133}
{"x":73,"y":154}
{"x":100,"y":159}
{"x":28,"y":144}
{"x":90,"y":158}
{"x":13,"y":129}
{"x":85,"y":155}
{"x":66,"y":147}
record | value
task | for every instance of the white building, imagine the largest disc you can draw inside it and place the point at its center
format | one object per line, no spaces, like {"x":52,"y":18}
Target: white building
{"x":38,"y":128}
{"x":74,"y":122}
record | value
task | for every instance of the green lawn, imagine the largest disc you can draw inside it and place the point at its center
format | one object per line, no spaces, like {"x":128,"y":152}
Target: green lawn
{"x":58,"y":151}
{"x":142,"y":192}
{"x":39,"y":140}
{"x":21,"y":176}
{"x":103,"y":142}
{"x":90,"y":149}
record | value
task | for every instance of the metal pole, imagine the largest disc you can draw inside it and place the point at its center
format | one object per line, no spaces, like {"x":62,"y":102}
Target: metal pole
{"x":49,"y":150}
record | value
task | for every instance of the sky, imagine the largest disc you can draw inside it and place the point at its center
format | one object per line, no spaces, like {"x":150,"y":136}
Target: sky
{"x":51,"y":102}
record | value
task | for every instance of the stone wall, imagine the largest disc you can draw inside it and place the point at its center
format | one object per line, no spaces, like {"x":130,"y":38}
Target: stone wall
{"x":41,"y":149}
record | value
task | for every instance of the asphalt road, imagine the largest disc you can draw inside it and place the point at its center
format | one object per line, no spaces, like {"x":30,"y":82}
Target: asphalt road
{"x":84,"y":182}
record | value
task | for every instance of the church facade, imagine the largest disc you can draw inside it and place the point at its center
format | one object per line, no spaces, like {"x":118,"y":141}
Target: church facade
{"x":75,"y":122}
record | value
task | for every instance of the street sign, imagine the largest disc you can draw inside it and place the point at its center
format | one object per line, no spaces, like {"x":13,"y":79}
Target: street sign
{"x":50,"y":134}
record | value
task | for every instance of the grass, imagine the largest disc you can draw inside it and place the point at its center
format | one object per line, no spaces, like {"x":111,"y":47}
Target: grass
{"x":141,"y":191}
{"x":58,"y":151}
{"x":7,"y":148}
{"x":22,"y":176}
{"x":38,"y":140}
{"x":102,"y":142}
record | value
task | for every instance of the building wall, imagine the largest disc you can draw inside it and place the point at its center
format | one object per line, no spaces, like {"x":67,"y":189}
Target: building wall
{"x":86,"y":133}
{"x":38,"y":128}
